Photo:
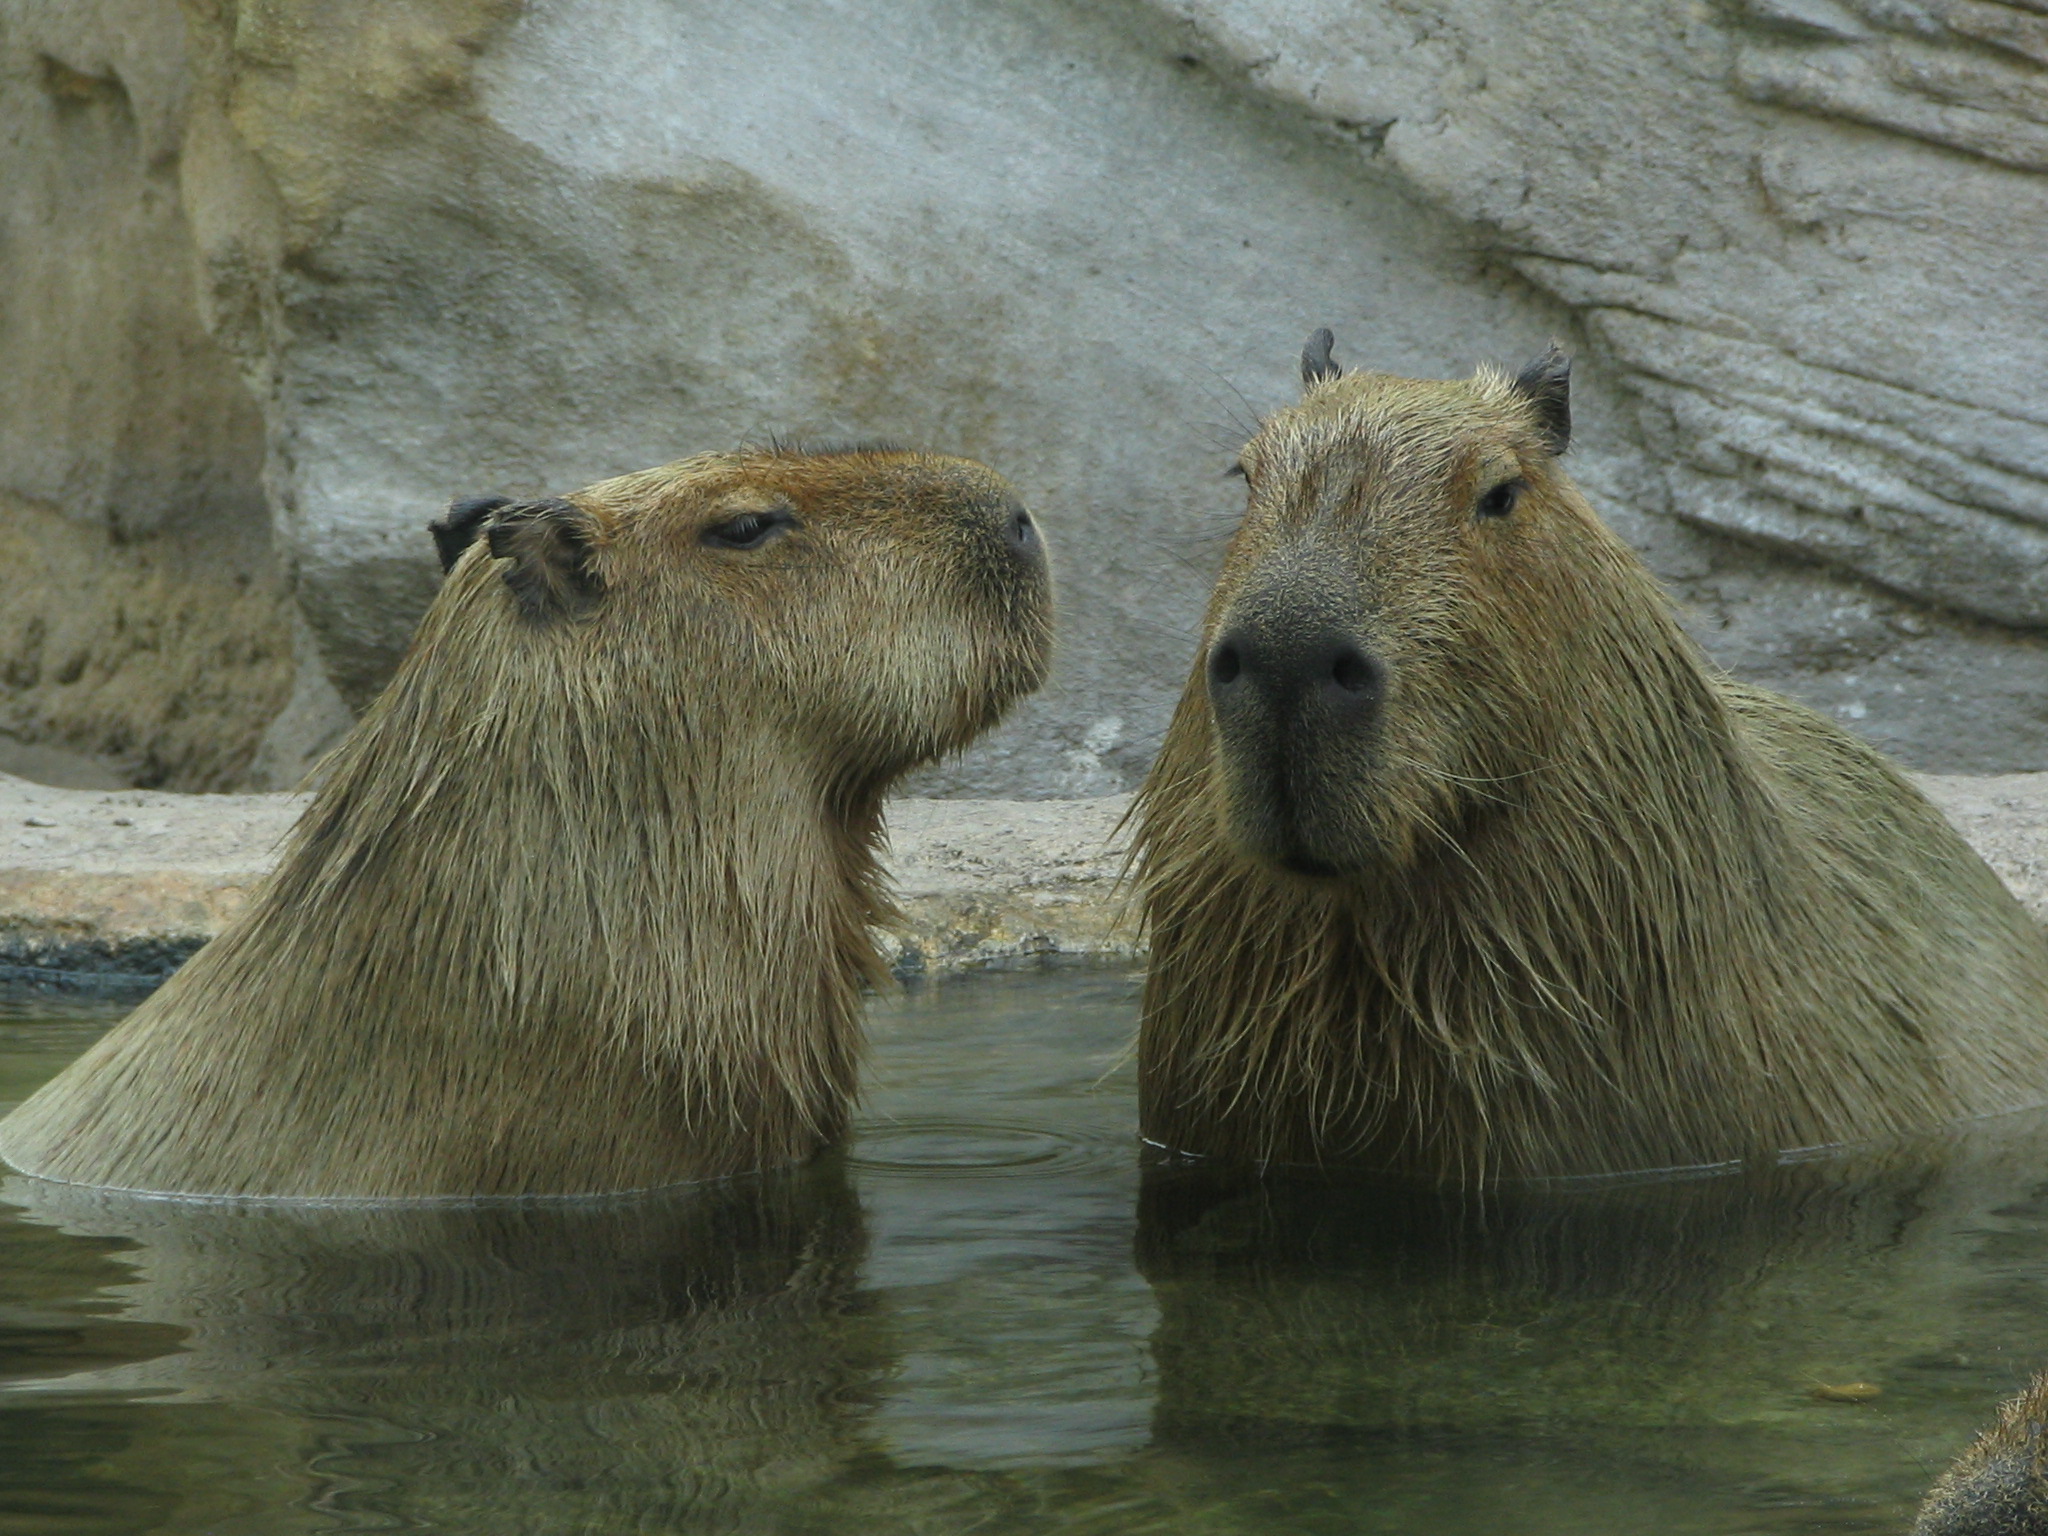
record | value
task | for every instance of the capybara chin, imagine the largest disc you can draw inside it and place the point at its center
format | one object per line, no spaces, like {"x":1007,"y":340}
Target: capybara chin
{"x":1461,"y":861}
{"x":584,"y":903}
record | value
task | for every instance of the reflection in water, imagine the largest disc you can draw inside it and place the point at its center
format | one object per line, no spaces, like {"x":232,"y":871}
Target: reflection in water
{"x":735,"y":1356}
{"x":1681,"y":1333}
{"x":521,"y":1368}
{"x":945,"y":1329}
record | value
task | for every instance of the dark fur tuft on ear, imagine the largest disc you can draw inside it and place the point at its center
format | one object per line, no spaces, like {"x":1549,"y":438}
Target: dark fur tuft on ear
{"x":549,"y":544}
{"x":1547,"y":384}
{"x":457,"y":529}
{"x":1316,"y":362}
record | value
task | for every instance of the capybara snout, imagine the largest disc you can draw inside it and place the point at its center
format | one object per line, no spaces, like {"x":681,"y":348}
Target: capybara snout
{"x":1264,"y":685}
{"x":1297,"y":683}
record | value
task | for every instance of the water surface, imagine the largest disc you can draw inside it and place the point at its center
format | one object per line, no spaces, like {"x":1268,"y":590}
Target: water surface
{"x":983,"y":1317}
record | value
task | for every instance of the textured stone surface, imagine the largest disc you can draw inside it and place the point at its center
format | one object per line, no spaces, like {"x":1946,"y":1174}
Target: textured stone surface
{"x":2005,"y":817}
{"x":126,"y":883}
{"x":131,"y":882}
{"x":166,"y":657}
{"x":585,"y":239}
{"x":401,"y":250}
{"x":983,"y":882}
{"x":1815,"y":322}
{"x":142,"y":616}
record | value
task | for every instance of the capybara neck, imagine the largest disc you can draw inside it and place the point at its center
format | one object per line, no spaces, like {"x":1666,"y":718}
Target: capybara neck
{"x":585,"y":905}
{"x":1461,"y":861}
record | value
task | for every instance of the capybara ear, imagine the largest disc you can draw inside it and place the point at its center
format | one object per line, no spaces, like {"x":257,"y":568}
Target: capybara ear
{"x":549,"y":544}
{"x":1316,"y":362}
{"x":1547,"y":384}
{"x":457,"y":530}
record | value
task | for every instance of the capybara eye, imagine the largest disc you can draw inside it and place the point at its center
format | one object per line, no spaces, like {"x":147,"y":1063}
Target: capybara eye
{"x":1500,"y":501}
{"x":750,"y":530}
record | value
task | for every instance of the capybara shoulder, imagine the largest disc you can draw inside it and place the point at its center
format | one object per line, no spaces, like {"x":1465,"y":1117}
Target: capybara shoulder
{"x":584,"y":903}
{"x":1461,"y":860}
{"x":1999,"y":1485}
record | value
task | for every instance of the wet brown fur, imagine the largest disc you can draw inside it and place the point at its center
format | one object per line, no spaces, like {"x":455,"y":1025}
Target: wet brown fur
{"x":1999,"y":1485}
{"x":584,"y":903}
{"x":1596,"y":906}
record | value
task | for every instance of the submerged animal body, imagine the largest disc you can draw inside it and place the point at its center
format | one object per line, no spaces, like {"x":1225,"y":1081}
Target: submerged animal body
{"x":584,"y":903}
{"x":1460,"y":860}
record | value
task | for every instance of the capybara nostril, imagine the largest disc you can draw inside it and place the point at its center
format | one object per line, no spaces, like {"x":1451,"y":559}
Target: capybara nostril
{"x":1226,"y":663}
{"x":1353,"y":672}
{"x":1329,"y":675}
{"x":1021,"y":533}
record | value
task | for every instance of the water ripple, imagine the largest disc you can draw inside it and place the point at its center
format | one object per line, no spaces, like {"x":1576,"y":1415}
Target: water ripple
{"x":953,"y":1148}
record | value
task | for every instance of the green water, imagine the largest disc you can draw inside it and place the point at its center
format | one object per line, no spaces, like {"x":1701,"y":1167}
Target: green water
{"x":985,"y":1317}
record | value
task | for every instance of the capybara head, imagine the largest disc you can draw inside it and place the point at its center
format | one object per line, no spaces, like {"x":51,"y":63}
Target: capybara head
{"x":881,"y":607}
{"x":1376,"y":644}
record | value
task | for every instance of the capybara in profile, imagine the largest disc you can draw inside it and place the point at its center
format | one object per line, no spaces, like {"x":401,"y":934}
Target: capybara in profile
{"x":1461,"y":861}
{"x":584,"y":903}
{"x":1999,"y":1485}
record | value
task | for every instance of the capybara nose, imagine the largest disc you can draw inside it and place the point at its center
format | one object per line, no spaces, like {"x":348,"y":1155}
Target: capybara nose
{"x":1329,"y":674}
{"x":1021,"y":533}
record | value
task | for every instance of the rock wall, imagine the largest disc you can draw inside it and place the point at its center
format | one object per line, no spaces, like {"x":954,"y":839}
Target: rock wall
{"x":142,"y":614}
{"x":397,"y":251}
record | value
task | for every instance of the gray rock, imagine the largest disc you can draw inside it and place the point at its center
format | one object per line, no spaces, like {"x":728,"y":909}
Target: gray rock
{"x":456,"y":246}
{"x":1056,"y":250}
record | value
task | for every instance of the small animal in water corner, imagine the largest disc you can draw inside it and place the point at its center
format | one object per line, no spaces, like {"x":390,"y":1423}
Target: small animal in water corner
{"x":1999,"y":1485}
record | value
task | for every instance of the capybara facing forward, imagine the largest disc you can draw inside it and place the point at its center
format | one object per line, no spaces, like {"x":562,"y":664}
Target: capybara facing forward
{"x":584,"y":902}
{"x":1461,"y":861}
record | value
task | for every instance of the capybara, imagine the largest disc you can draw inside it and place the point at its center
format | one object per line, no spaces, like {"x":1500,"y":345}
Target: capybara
{"x":1461,"y":861}
{"x":1999,"y":1485}
{"x":584,"y":902}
